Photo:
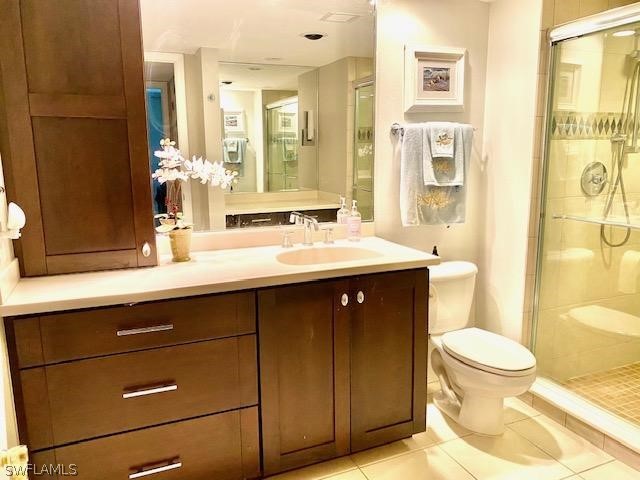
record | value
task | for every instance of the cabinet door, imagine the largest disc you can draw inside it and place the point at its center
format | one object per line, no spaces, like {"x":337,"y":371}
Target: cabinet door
{"x":304,"y":374}
{"x":73,"y":133}
{"x":388,"y":357}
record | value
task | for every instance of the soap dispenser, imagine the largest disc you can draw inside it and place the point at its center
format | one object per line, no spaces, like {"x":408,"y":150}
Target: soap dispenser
{"x":354,"y":223}
{"x":343,"y":213}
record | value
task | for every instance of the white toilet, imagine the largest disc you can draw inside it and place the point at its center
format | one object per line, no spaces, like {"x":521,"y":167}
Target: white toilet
{"x":477,"y":369}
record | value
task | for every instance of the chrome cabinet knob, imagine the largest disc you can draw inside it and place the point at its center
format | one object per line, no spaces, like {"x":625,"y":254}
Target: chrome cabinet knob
{"x":360,"y":296}
{"x":344,"y":300}
{"x":146,"y":249}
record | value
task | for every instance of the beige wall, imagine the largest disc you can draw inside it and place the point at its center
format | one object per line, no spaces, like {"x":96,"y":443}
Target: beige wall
{"x":308,"y":154}
{"x":333,"y":126}
{"x":507,"y":168}
{"x":454,"y":23}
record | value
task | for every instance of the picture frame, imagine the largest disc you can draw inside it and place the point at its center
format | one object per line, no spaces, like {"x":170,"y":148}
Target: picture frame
{"x":434,"y":78}
{"x":233,"y":121}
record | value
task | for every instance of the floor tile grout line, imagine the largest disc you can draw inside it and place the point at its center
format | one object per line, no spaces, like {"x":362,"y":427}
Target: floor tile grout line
{"x":554,"y":458}
{"x":456,"y":461}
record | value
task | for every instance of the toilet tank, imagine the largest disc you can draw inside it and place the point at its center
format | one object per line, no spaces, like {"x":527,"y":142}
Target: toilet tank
{"x":451,"y":287}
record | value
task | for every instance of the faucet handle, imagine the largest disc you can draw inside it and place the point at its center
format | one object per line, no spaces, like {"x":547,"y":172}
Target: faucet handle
{"x":286,"y":238}
{"x":328,"y":235}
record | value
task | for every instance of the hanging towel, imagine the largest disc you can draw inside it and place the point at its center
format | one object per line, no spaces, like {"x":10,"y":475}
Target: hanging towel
{"x":629,"y":275}
{"x":422,"y":204}
{"x":442,"y":170}
{"x":232,"y":145}
{"x":442,"y":141}
{"x":233,"y":150}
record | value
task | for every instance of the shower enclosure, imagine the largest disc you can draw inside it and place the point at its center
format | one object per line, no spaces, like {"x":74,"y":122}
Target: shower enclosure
{"x":282,"y":145}
{"x":587,"y":302}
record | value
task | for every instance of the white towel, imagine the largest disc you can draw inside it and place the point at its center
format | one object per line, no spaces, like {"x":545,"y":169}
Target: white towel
{"x":442,"y":141}
{"x":421,"y":204}
{"x":629,"y":274}
{"x":443,"y":171}
{"x":411,"y":153}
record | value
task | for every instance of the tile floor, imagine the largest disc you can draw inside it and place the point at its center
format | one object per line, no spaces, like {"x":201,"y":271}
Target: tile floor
{"x":534,"y":447}
{"x":617,"y":390}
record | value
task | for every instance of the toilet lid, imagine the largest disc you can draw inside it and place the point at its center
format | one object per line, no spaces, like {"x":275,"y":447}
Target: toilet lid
{"x":489,"y":352}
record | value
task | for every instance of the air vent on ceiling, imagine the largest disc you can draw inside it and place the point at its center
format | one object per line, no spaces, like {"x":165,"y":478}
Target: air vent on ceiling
{"x":339,"y":17}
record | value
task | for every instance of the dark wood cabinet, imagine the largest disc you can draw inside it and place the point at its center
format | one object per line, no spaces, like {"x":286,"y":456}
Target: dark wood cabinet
{"x":388,"y":357}
{"x":322,"y":361}
{"x":304,"y":371}
{"x":73,"y":134}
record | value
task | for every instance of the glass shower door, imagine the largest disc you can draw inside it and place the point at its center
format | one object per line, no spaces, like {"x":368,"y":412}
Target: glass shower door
{"x":282,"y":147}
{"x":363,"y":150}
{"x":587,"y":311}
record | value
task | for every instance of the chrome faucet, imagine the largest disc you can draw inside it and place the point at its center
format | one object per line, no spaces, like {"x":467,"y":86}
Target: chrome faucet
{"x":309,"y":224}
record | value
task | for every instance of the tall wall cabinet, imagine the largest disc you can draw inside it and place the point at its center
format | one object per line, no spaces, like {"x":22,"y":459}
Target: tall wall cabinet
{"x":73,"y":134}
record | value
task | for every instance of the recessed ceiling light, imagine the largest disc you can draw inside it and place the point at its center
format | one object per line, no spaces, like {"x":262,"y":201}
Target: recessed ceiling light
{"x":313,"y":36}
{"x":624,"y":33}
{"x":339,"y":17}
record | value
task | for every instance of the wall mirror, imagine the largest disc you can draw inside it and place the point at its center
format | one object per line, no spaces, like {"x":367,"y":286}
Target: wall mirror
{"x":281,"y":91}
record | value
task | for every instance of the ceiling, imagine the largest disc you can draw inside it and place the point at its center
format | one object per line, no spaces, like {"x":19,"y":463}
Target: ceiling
{"x":253,"y":31}
{"x":269,"y":77}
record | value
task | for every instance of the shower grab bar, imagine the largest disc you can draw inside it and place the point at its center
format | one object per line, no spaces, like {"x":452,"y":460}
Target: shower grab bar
{"x":610,"y":223}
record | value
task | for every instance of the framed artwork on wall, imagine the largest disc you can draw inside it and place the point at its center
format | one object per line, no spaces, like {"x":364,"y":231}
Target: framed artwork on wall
{"x":434,"y":78}
{"x":234,"y":121}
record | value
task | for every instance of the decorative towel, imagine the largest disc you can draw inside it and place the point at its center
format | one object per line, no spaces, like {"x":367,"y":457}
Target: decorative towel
{"x":446,"y":170}
{"x":422,"y":204}
{"x":232,"y":145}
{"x":233,"y":149}
{"x":629,"y":275}
{"x":442,"y":141}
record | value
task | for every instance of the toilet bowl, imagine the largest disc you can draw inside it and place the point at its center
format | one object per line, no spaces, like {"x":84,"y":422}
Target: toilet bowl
{"x":476,"y":369}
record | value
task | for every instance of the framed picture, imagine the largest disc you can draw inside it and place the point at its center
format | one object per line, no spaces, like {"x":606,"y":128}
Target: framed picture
{"x":233,"y":121}
{"x":434,"y":78}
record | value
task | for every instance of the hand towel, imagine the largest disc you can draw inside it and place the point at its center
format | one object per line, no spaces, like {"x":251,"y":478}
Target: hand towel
{"x":230,"y":155}
{"x":443,"y":171}
{"x":629,"y":274}
{"x":442,"y":141}
{"x":232,"y":144}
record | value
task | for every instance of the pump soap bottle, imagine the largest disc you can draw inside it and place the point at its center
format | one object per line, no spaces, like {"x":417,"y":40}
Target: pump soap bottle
{"x":354,"y":223}
{"x":343,"y":213}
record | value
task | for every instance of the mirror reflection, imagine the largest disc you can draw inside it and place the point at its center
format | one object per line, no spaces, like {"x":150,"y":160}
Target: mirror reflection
{"x":281,"y":93}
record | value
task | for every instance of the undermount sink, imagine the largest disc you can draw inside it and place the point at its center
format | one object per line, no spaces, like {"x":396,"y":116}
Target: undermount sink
{"x":315,"y":255}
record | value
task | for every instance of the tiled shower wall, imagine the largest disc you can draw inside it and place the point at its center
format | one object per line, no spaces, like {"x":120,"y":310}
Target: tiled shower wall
{"x":568,"y":352}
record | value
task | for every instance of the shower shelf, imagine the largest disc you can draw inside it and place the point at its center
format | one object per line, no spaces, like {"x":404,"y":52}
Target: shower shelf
{"x":611,"y":223}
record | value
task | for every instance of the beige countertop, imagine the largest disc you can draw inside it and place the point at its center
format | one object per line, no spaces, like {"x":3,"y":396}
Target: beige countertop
{"x":214,"y":271}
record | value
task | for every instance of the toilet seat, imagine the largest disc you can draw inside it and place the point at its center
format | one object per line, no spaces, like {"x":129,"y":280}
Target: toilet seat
{"x":489,"y":352}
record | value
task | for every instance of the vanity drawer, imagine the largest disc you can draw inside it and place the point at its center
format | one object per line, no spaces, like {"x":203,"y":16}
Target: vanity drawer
{"x":223,"y":446}
{"x":104,"y":331}
{"x":90,"y":398}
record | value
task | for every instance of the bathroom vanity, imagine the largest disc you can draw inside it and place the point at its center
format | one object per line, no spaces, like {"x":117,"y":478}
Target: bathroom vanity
{"x":234,"y":373}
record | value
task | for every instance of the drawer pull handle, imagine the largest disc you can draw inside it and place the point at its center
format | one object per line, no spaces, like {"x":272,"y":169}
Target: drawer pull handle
{"x":360,"y":297}
{"x":150,"y":391}
{"x":153,"y":471}
{"x":138,"y":331}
